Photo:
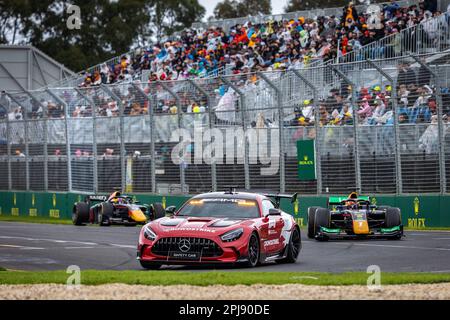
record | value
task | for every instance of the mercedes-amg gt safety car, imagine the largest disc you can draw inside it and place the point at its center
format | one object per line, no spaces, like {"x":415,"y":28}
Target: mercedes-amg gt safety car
{"x":222,"y":227}
{"x":113,"y":209}
{"x":354,"y":217}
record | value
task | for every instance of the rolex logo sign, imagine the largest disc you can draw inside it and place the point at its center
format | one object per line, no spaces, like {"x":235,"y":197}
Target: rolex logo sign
{"x":416,"y":206}
{"x":306,"y":160}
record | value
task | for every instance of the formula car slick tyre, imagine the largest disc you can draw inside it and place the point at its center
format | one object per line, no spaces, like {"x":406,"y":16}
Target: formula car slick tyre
{"x":253,"y":251}
{"x":321,"y":219}
{"x":311,"y":213}
{"x":393,"y":219}
{"x":150,"y":265}
{"x":157,"y":210}
{"x":80,"y":214}
{"x":105,"y":214}
{"x":293,"y":248}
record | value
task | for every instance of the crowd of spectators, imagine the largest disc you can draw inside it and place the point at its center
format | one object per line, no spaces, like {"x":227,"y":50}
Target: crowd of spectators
{"x":416,"y":102}
{"x":272,"y":45}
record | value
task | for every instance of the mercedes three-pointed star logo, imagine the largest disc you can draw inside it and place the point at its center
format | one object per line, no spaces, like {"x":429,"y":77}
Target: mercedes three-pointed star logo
{"x":184,"y":245}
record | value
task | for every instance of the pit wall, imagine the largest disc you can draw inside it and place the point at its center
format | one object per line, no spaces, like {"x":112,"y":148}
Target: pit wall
{"x":417,"y":211}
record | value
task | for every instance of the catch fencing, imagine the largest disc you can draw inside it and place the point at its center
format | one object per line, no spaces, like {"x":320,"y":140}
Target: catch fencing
{"x":185,"y":137}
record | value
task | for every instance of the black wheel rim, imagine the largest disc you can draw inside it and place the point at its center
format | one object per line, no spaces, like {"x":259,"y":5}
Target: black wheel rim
{"x":295,"y":243}
{"x":253,"y":249}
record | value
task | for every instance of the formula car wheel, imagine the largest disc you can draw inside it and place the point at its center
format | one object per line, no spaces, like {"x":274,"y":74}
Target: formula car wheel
{"x":321,"y":219}
{"x":150,"y":265}
{"x":105,"y":214}
{"x":253,"y":251}
{"x":157,"y":210}
{"x":393,"y":218}
{"x":80,"y":214}
{"x":311,"y":216}
{"x":294,"y":247}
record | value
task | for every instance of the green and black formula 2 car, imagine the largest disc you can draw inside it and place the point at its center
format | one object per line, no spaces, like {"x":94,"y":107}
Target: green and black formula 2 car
{"x":354,"y":217}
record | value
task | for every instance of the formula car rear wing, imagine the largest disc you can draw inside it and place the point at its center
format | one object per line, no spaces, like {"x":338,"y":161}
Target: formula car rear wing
{"x":96,"y":198}
{"x":337,"y":200}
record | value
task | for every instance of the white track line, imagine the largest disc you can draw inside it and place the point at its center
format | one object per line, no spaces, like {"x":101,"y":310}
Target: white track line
{"x":123,"y":246}
{"x":49,"y":240}
{"x":20,"y":247}
{"x":400,"y":247}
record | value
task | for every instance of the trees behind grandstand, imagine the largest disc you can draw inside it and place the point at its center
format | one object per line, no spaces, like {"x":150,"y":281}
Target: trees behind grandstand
{"x":108,"y":28}
{"x":299,"y":5}
{"x":229,"y":9}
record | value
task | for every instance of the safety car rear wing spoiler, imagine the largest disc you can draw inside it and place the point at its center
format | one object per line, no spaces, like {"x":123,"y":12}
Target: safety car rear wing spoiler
{"x":278,"y":196}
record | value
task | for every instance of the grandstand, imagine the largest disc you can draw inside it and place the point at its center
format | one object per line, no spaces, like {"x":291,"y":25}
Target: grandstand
{"x":375,"y":99}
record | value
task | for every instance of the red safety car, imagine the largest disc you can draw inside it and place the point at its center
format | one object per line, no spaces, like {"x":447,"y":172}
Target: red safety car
{"x":222,"y":227}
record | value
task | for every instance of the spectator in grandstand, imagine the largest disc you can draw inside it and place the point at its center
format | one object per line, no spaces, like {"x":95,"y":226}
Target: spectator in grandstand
{"x":5,"y":104}
{"x":429,"y":139}
{"x":136,"y":109}
{"x":16,"y":114}
{"x":55,"y":111}
{"x":19,"y":153}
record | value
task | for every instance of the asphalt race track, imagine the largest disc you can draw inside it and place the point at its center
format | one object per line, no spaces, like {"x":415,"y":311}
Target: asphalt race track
{"x":55,"y":247}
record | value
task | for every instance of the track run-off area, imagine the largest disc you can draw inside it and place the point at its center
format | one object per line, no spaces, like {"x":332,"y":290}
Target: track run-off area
{"x":41,"y":247}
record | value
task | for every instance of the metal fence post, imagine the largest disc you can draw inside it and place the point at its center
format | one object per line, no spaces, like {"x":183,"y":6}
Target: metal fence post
{"x":437,"y":80}
{"x":45,"y":146}
{"x":316,"y":126}
{"x":25,"y":121}
{"x":355,"y":125}
{"x":211,"y":126}
{"x":66,"y":131}
{"x":178,"y":102}
{"x":398,"y":164}
{"x":94,"y":139}
{"x":281,"y":128}
{"x":123,"y":155}
{"x":243,"y":110}
{"x":152,"y":134}
{"x":8,"y":151}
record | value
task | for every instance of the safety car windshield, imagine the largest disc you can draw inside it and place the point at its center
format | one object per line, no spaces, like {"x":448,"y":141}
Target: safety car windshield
{"x":221,"y":208}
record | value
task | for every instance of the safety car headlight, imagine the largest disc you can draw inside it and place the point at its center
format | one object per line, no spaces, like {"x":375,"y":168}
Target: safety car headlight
{"x":149,"y":234}
{"x":232,"y":235}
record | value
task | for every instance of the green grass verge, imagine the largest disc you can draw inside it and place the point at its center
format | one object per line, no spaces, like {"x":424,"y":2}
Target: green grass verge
{"x":91,"y":277}
{"x":34,"y":220}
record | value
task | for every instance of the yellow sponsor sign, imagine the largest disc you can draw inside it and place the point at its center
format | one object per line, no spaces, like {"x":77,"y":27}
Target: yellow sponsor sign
{"x":33,"y":212}
{"x":54,"y":200}
{"x":15,"y":212}
{"x":416,"y":223}
{"x":54,"y":213}
{"x":300,"y":222}
{"x":416,"y":206}
{"x":296,"y":207}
